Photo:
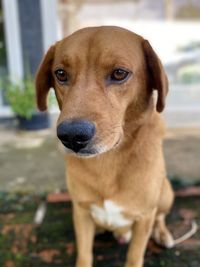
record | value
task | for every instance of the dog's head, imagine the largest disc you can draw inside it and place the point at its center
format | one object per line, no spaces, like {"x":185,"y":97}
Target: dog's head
{"x":103,"y":79}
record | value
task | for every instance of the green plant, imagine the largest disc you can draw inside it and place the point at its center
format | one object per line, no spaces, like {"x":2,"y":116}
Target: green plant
{"x":21,"y":96}
{"x":189,"y":74}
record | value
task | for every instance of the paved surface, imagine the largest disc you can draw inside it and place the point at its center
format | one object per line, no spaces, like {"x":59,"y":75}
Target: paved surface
{"x":182,"y":153}
{"x":30,"y":162}
{"x":33,"y":161}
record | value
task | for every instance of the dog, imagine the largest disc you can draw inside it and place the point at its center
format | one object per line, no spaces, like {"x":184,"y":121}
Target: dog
{"x":104,"y":80}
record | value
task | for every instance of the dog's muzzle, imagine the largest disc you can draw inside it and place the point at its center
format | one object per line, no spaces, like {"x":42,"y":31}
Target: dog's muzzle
{"x":76,"y":134}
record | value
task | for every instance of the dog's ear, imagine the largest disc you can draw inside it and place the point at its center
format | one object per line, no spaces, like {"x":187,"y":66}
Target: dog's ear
{"x":44,"y":79}
{"x":156,"y":75}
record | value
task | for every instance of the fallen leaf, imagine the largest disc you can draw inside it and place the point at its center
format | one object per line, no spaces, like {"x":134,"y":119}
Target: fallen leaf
{"x":58,"y":197}
{"x":189,"y":191}
{"x":70,"y":248}
{"x":153,"y":247}
{"x":100,"y":257}
{"x":47,"y":255}
{"x":9,"y":263}
{"x":187,"y":214}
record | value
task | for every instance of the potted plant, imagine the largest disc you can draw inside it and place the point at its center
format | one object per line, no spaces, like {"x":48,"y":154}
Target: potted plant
{"x":20,"y":96}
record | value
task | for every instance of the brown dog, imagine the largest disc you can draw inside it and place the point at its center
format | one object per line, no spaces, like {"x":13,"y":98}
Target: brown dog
{"x":104,"y":79}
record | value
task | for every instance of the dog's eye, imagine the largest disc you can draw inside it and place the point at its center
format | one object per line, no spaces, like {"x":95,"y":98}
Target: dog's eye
{"x":61,"y":75}
{"x":119,"y":75}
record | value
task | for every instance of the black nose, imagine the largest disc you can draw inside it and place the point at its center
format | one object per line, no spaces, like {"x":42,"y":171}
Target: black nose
{"x":75,"y":134}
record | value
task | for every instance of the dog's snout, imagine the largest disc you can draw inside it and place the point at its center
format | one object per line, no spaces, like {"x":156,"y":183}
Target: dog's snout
{"x":75,"y":134}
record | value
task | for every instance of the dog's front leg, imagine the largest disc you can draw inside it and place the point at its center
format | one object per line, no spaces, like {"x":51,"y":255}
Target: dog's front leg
{"x":141,"y":232}
{"x":84,"y":231}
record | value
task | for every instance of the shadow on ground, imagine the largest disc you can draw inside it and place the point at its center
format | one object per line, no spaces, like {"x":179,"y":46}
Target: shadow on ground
{"x":23,"y":244}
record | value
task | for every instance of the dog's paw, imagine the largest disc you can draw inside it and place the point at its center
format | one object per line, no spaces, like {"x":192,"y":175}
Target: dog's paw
{"x":163,"y":238}
{"x":123,"y":238}
{"x":83,"y":263}
{"x":134,"y":264}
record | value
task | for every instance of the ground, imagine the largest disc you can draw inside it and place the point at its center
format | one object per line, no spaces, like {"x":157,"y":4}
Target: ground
{"x":51,"y":244}
{"x":32,"y":166}
{"x":29,"y":160}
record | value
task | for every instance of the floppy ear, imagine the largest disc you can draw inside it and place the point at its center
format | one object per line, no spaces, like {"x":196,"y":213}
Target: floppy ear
{"x":44,"y":79}
{"x":157,"y":77}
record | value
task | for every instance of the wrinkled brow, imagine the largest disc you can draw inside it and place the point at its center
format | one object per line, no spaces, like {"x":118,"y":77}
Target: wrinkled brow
{"x":114,"y":60}
{"x":67,"y":61}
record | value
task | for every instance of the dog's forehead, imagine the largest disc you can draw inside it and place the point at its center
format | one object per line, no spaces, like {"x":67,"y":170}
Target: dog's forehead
{"x":100,"y":41}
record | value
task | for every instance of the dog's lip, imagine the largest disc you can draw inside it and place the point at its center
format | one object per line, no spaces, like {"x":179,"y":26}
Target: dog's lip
{"x":92,"y":150}
{"x":85,"y":152}
{"x":117,"y":143}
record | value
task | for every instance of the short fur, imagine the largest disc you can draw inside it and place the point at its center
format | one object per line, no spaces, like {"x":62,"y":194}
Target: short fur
{"x":129,"y":168}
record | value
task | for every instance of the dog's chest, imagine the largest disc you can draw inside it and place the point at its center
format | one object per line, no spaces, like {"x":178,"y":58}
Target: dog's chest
{"x":109,"y":214}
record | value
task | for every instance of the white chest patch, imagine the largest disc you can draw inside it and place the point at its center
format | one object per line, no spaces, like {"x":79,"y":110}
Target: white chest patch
{"x":110,"y":214}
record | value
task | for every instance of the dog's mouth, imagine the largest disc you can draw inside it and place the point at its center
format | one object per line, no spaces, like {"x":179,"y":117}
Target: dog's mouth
{"x":91,"y":150}
{"x":81,"y":150}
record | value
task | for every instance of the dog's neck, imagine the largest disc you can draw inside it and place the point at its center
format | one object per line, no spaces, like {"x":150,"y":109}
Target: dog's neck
{"x":136,"y":121}
{"x":133,"y":149}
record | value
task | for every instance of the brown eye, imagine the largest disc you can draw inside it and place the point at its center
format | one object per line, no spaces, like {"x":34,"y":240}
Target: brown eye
{"x":119,"y":75}
{"x":61,"y":75}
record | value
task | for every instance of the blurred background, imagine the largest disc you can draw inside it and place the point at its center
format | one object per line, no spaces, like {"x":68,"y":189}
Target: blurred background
{"x":30,"y":158}
{"x":28,"y":28}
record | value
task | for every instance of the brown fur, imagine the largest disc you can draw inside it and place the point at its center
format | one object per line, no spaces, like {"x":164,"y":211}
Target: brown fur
{"x":131,"y":171}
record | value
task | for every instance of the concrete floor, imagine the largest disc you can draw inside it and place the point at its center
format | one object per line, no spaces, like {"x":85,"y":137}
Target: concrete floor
{"x":182,"y":153}
{"x":33,"y":161}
